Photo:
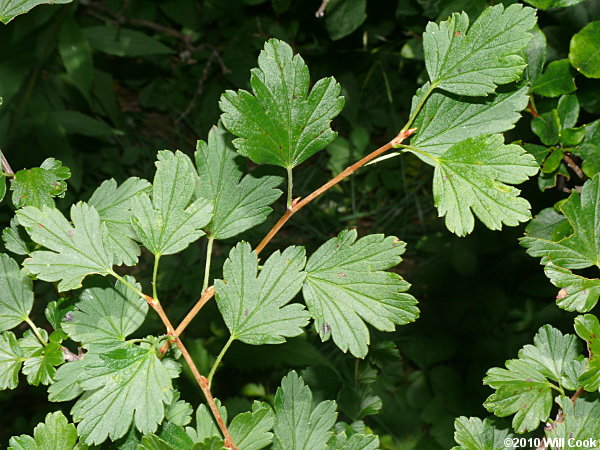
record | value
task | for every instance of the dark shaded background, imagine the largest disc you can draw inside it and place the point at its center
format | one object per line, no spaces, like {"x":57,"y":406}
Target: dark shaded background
{"x":481,"y":296}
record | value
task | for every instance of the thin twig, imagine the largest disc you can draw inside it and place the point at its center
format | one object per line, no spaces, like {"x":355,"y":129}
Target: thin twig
{"x":321,"y":11}
{"x":202,"y":380}
{"x":5,"y":165}
{"x":573,"y":165}
{"x":297,"y":205}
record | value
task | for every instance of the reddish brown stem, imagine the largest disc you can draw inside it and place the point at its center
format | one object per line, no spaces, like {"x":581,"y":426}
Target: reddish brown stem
{"x":202,"y":380}
{"x":297,"y":205}
{"x":532,"y":110}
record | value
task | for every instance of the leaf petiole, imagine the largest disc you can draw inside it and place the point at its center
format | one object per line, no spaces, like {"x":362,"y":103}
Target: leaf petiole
{"x":154,"y":276}
{"x":219,"y":358}
{"x":36,"y":332}
{"x":207,"y":264}
{"x":290,"y":179}
{"x":126,"y":283}
{"x":422,"y":101}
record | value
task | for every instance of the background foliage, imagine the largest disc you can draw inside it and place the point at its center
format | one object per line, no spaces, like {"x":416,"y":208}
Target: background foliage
{"x":102,"y":86}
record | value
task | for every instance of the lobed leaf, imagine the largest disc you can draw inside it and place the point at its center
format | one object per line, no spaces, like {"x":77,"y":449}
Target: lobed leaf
{"x":281,"y":122}
{"x":474,"y":60}
{"x":580,"y":421}
{"x":474,"y":433}
{"x":11,"y":360}
{"x":239,"y":203}
{"x":588,"y":329}
{"x":74,"y":251}
{"x":16,"y":294}
{"x":346,"y":285}
{"x":38,"y":186}
{"x":54,"y":433}
{"x":255,"y":308}
{"x":170,"y":222}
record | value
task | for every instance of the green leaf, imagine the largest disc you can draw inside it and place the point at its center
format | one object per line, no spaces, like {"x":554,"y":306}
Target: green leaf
{"x":551,"y":353}
{"x":547,"y":4}
{"x":582,"y":248}
{"x":470,"y":178}
{"x":547,"y":127}
{"x":54,"y":433}
{"x":358,"y":402}
{"x":346,"y":285}
{"x":298,"y":422}
{"x":584,"y":52}
{"x":2,"y":187}
{"x":589,"y":149}
{"x":113,"y":383}
{"x":536,"y":55}
{"x":556,"y":80}
{"x":38,"y":186}
{"x":580,"y":422}
{"x":523,"y":387}
{"x":105,"y":312}
{"x":76,"y":56}
{"x":170,"y":222}
{"x":11,"y":359}
{"x":446,"y":119}
{"x":9,"y":9}
{"x":281,"y":123}
{"x":40,"y":360}
{"x":179,"y":412}
{"x":76,"y":251}
{"x":568,"y":110}
{"x":251,"y":430}
{"x":59,"y":310}
{"x":342,"y":441}
{"x":520,"y":389}
{"x":255,"y":308}
{"x":66,"y":385}
{"x":342,"y":17}
{"x":121,"y":41}
{"x":474,"y":60}
{"x":577,"y":293}
{"x":473,"y":433}
{"x":75,"y":122}
{"x":588,"y":329}
{"x":206,"y":426}
{"x":114,"y":207}
{"x":16,"y":294}
{"x":239,"y":203}
{"x":14,"y":240}
{"x":170,"y":437}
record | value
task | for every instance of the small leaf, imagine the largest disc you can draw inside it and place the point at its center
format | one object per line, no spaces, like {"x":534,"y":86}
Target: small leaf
{"x":75,"y":251}
{"x":16,"y":294}
{"x":474,"y":60}
{"x":251,"y":430}
{"x":446,"y":119}
{"x":121,"y":41}
{"x":40,"y":360}
{"x":9,"y":9}
{"x":584,"y":52}
{"x":239,"y":203}
{"x":206,"y":426}
{"x":342,"y":441}
{"x":536,"y":55}
{"x":170,"y":222}
{"x":11,"y":359}
{"x":113,"y":382}
{"x":470,"y":178}
{"x":556,"y":80}
{"x":588,"y":329}
{"x":582,"y":248}
{"x":299,"y":423}
{"x":38,"y":186}
{"x":342,"y":17}
{"x":14,"y":238}
{"x":547,"y":4}
{"x":179,"y":412}
{"x":577,"y":293}
{"x":474,"y":433}
{"x":54,"y":433}
{"x":114,"y":207}
{"x":2,"y":187}
{"x":255,"y":308}
{"x":105,"y":312}
{"x":547,"y":127}
{"x":281,"y":123}
{"x":346,"y":285}
{"x":568,"y":110}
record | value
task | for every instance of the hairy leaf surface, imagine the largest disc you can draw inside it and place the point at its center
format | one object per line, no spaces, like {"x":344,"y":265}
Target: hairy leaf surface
{"x":255,"y":308}
{"x":74,"y":250}
{"x":474,"y":60}
{"x":239,"y":203}
{"x":346,"y":285}
{"x":281,"y":122}
{"x":170,"y":222}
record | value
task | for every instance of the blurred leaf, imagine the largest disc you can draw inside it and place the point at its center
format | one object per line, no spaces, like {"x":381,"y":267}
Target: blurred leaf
{"x":282,"y":123}
{"x":556,"y":80}
{"x":76,"y":56}
{"x":16,"y":294}
{"x":123,"y":41}
{"x":342,"y":17}
{"x":75,"y":122}
{"x":11,"y":8}
{"x":584,"y":52}
{"x":347,"y":285}
{"x":536,"y":55}
{"x":547,"y":4}
{"x":474,"y":60}
{"x":54,"y":433}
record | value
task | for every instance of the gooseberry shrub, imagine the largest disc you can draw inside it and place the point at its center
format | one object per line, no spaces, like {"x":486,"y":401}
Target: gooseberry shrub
{"x":481,"y":75}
